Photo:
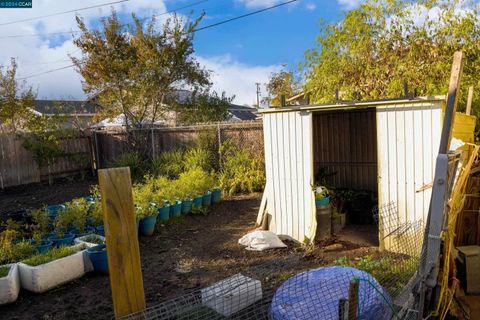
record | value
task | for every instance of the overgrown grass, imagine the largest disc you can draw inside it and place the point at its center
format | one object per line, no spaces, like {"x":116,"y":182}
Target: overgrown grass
{"x":14,"y":252}
{"x":49,"y":256}
{"x":392,"y":271}
{"x":4,"y":271}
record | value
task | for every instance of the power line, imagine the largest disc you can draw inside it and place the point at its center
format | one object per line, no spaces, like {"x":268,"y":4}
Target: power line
{"x":63,"y":12}
{"x":193,"y":31}
{"x":78,"y":31}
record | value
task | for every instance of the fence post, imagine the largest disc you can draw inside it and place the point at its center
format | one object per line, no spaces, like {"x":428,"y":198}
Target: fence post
{"x":97,"y":155}
{"x":122,"y":241}
{"x":153,"y":145}
{"x":353,"y":299}
{"x":219,"y":146}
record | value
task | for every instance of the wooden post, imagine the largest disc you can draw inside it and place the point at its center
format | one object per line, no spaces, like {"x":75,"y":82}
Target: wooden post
{"x":452,"y":101}
{"x":122,"y":241}
{"x":469,"y":101}
{"x":353,"y":300}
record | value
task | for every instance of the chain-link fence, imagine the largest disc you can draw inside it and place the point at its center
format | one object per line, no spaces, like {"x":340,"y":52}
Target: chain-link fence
{"x":368,"y":287}
{"x":109,"y":145}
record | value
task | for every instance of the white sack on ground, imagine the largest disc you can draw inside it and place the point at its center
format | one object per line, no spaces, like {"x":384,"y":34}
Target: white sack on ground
{"x":260,"y":240}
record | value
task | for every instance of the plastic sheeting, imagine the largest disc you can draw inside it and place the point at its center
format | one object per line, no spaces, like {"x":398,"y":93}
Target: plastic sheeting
{"x":315,"y":294}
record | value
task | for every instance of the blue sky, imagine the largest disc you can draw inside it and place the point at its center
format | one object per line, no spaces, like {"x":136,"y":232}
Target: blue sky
{"x":239,"y":53}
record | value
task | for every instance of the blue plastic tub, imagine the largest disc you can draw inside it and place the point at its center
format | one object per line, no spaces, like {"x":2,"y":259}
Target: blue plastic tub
{"x":207,"y":199}
{"x":322,"y":201}
{"x":66,"y":240}
{"x":216,"y":195}
{"x":44,"y":246}
{"x":98,"y":257}
{"x":176,"y":209}
{"x":197,"y":201}
{"x":164,"y":213}
{"x":53,"y":210}
{"x":101,"y":230}
{"x":147,"y":225}
{"x":187,"y":206}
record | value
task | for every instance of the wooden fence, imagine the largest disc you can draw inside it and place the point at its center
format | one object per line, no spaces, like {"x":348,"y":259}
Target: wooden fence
{"x":110,"y":145}
{"x":18,"y":166}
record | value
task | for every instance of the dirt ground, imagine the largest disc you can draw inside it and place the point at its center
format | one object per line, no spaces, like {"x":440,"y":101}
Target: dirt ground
{"x":180,"y":257}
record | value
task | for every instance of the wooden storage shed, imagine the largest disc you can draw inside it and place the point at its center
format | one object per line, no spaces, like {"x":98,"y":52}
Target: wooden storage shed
{"x":388,"y":147}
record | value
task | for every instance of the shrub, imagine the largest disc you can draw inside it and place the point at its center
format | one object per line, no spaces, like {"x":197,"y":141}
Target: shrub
{"x":194,"y":182}
{"x":63,"y":221}
{"x":143,"y":197}
{"x":4,"y":271}
{"x":13,"y":252}
{"x":40,"y":223}
{"x":93,"y":239}
{"x":198,"y":158}
{"x":53,"y":254}
{"x":77,"y":211}
{"x":132,"y":160}
{"x":169,"y":164}
{"x":242,"y":171}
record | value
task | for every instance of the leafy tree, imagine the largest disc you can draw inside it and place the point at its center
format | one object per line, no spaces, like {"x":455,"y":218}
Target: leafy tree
{"x":384,"y":43}
{"x":204,"y":107}
{"x":281,"y":83}
{"x":15,"y":99}
{"x":132,"y":69}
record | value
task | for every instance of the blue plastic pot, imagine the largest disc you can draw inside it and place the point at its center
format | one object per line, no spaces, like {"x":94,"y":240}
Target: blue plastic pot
{"x":322,"y":201}
{"x":98,"y":257}
{"x":216,"y":195}
{"x":176,"y":209}
{"x":207,"y":199}
{"x":147,"y":225}
{"x":197,"y":201}
{"x":90,"y":199}
{"x":53,"y":210}
{"x":164,"y":213}
{"x":66,"y":240}
{"x":187,"y":206}
{"x":101,"y":230}
{"x":44,"y":246}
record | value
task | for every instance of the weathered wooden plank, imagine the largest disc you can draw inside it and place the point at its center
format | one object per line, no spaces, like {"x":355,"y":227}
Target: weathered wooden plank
{"x":122,"y":242}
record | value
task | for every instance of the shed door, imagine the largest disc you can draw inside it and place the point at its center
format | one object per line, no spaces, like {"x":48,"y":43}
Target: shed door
{"x":408,"y":138}
{"x":289,"y":171}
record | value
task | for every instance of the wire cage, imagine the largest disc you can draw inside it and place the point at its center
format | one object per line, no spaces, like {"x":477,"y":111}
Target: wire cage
{"x":380,"y":288}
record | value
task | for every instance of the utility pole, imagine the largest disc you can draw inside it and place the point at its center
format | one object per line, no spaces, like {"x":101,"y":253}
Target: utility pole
{"x":258,"y":94}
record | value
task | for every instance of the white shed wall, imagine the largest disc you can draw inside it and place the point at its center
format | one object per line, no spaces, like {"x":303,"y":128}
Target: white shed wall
{"x":289,"y":172}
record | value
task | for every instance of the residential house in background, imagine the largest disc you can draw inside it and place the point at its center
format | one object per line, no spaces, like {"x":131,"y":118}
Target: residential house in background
{"x":77,"y":114}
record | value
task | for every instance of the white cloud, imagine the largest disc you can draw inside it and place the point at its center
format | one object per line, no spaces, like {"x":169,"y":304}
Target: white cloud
{"x":311,"y":6}
{"x":258,"y":3}
{"x":236,"y":78}
{"x":349,"y":4}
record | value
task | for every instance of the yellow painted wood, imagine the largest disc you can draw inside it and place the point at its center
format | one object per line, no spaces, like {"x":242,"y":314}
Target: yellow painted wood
{"x":464,"y":127}
{"x":122,"y":241}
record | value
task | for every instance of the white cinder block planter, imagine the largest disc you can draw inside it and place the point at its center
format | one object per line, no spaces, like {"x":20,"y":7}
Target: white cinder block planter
{"x":10,"y":285}
{"x":81,"y":240}
{"x":49,"y":275}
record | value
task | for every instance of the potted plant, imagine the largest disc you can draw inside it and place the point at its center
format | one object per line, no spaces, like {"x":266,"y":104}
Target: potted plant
{"x":163,"y":211}
{"x":338,"y":221}
{"x":63,"y":221}
{"x":98,"y":257}
{"x":96,"y":217}
{"x":53,"y":210}
{"x":187,"y":205}
{"x":13,"y":250}
{"x":147,"y":213}
{"x":207,"y":199}
{"x":77,"y":210}
{"x":47,"y":270}
{"x":9,"y":283}
{"x":322,"y":196}
{"x":90,"y":240}
{"x":39,"y":229}
{"x":176,"y":208}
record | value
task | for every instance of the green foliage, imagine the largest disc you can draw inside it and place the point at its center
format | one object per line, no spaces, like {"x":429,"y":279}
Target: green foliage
{"x":4,"y":271}
{"x":195,"y":182}
{"x":242,"y":170}
{"x":51,"y":255}
{"x":132,"y":160}
{"x":204,"y":107}
{"x":77,"y":211}
{"x":63,"y":221}
{"x":15,"y":99}
{"x":143,"y":197}
{"x":93,"y":239}
{"x":96,"y":213}
{"x":198,"y":158}
{"x":382,"y":43}
{"x":135,"y":73}
{"x":11,"y":251}
{"x":39,"y":226}
{"x":169,"y":164}
{"x":281,"y":83}
{"x":321,"y":192}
